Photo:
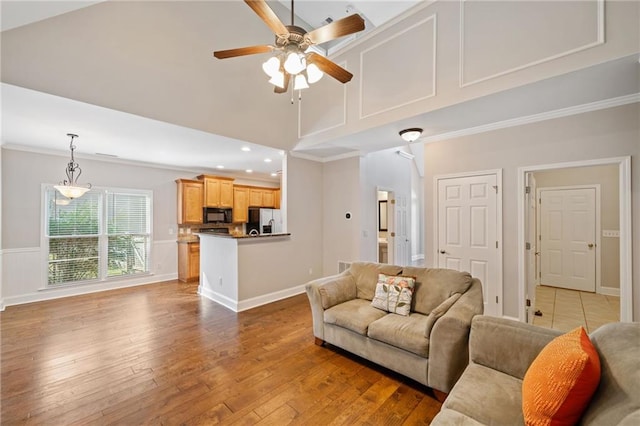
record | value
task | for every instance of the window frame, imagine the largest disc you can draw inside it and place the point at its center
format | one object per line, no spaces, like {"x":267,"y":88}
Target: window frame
{"x":103,"y":238}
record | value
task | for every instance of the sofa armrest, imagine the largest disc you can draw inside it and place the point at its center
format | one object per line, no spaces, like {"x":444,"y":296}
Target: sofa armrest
{"x":326,"y":292}
{"x":448,"y":344}
{"x":506,"y":345}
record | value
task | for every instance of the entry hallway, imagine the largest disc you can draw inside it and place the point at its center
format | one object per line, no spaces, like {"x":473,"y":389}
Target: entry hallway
{"x":161,"y":354}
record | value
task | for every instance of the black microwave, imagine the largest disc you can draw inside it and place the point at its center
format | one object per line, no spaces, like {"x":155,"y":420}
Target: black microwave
{"x":216,"y":215}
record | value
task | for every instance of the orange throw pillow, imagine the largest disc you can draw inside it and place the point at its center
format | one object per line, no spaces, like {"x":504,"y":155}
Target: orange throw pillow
{"x":561,"y":380}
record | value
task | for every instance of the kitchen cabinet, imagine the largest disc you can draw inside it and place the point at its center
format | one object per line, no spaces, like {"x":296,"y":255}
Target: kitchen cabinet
{"x":218,"y":191}
{"x":262,"y":197}
{"x":240,"y":204}
{"x":276,"y":195}
{"x":268,"y":198}
{"x":188,"y":261}
{"x":190,"y":199}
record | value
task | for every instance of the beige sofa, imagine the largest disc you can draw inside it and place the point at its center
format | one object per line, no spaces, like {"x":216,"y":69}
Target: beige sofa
{"x":430,"y":345}
{"x":490,"y":389}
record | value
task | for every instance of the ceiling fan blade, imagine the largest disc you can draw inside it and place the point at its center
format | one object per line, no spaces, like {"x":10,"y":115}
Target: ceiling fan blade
{"x":243,"y":51}
{"x":284,"y":89}
{"x":342,"y":27}
{"x":265,"y":13}
{"x":329,"y":67}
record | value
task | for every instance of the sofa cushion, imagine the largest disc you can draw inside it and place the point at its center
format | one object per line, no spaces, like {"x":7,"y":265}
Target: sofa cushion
{"x":338,"y":290}
{"x":393,"y":294}
{"x":366,"y":275}
{"x":451,"y":417}
{"x":354,"y":315}
{"x":434,"y":286}
{"x":404,"y":332}
{"x":438,"y":312}
{"x":617,"y":400}
{"x":487,"y":396}
{"x":561,"y":380}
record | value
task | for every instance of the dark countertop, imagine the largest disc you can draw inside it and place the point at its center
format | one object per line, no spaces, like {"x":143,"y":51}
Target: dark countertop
{"x":243,"y":237}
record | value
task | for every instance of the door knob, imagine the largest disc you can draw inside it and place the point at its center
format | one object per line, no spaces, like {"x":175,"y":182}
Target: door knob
{"x":442,"y":252}
{"x":590,"y":245}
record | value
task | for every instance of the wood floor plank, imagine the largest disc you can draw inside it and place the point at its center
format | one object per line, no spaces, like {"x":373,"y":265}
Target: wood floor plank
{"x":161,"y":354}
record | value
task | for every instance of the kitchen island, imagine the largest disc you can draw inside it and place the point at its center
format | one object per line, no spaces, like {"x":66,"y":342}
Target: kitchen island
{"x":233,"y":273}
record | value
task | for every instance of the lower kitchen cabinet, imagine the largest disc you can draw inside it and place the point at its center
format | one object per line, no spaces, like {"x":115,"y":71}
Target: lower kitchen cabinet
{"x":188,"y":261}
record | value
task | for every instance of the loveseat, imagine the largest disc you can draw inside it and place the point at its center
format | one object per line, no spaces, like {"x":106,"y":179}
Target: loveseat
{"x":490,"y":391}
{"x":428,"y":345}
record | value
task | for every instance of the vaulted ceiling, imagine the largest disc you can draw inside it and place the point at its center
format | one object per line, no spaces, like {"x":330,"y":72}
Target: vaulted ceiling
{"x":138,"y":79}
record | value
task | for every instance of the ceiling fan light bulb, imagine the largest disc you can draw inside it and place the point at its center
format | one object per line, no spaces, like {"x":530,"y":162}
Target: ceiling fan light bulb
{"x":300,"y":83}
{"x":313,"y":73}
{"x":278,"y":79}
{"x":271,"y":66}
{"x":293,"y":65}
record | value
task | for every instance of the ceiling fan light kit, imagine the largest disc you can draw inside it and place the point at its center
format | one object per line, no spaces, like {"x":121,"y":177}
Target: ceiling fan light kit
{"x":293,"y":54}
{"x":411,"y":135}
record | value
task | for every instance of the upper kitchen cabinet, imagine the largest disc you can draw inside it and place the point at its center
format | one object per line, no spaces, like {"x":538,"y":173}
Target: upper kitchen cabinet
{"x":190,"y":198}
{"x":240,"y":204}
{"x":277,"y":194}
{"x":262,"y":197}
{"x":218,"y":191}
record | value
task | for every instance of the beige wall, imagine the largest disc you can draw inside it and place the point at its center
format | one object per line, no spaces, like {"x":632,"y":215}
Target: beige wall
{"x":606,"y":133}
{"x":276,"y":266}
{"x":340,"y":194}
{"x":607,"y":178}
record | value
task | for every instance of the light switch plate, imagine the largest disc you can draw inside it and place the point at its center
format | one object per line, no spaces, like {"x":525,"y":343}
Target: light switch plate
{"x":610,"y":233}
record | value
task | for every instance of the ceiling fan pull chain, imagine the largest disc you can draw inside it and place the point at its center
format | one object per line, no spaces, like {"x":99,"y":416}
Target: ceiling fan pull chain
{"x":299,"y":95}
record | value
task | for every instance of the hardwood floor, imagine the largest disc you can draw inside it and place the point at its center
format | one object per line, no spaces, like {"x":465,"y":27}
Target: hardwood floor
{"x":160,"y":354}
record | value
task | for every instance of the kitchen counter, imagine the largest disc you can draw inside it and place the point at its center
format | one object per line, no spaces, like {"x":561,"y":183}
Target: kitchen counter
{"x":245,"y":236}
{"x":232,"y":267}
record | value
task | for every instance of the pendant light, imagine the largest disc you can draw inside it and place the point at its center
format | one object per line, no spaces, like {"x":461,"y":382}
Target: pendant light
{"x":69,"y":187}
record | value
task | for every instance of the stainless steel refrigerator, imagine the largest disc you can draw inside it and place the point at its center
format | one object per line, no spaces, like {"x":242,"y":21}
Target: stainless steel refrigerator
{"x":270,"y":221}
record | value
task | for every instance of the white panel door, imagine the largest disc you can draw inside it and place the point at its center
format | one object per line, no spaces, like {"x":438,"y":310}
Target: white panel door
{"x":567,"y":238}
{"x":467,"y":233}
{"x":401,"y":240}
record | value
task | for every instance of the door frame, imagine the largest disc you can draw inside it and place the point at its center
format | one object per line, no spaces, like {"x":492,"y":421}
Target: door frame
{"x":498,"y":287}
{"x":626,"y":249}
{"x":598,"y":230}
{"x":391,"y":223}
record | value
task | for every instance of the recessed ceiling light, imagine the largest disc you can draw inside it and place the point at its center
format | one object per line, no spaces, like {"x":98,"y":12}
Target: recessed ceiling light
{"x":219,"y":166}
{"x":246,"y":149}
{"x":274,"y":174}
{"x":267,"y":160}
{"x":249,"y":171}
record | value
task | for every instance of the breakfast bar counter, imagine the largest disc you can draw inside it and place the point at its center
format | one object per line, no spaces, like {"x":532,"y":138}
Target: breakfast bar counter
{"x":227,"y":263}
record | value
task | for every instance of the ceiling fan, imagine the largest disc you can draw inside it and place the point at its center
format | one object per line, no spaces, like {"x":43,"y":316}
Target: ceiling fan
{"x":292,"y":58}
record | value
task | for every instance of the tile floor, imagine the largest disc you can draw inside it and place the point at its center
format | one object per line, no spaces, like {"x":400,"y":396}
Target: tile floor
{"x":567,"y":309}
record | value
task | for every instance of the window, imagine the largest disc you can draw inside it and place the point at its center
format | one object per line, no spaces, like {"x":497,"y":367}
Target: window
{"x":103,"y":234}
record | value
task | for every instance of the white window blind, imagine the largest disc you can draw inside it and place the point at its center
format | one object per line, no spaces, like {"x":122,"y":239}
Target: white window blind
{"x":73,"y":230}
{"x":128,"y":231}
{"x":105,"y":233}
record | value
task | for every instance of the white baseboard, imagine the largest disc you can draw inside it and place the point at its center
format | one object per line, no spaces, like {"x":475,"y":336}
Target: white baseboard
{"x":218,"y":298}
{"x":417,"y":257}
{"x":609,"y":291}
{"x":254,"y":302}
{"x":51,"y":294}
{"x":1,"y":305}
{"x":511,"y":318}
